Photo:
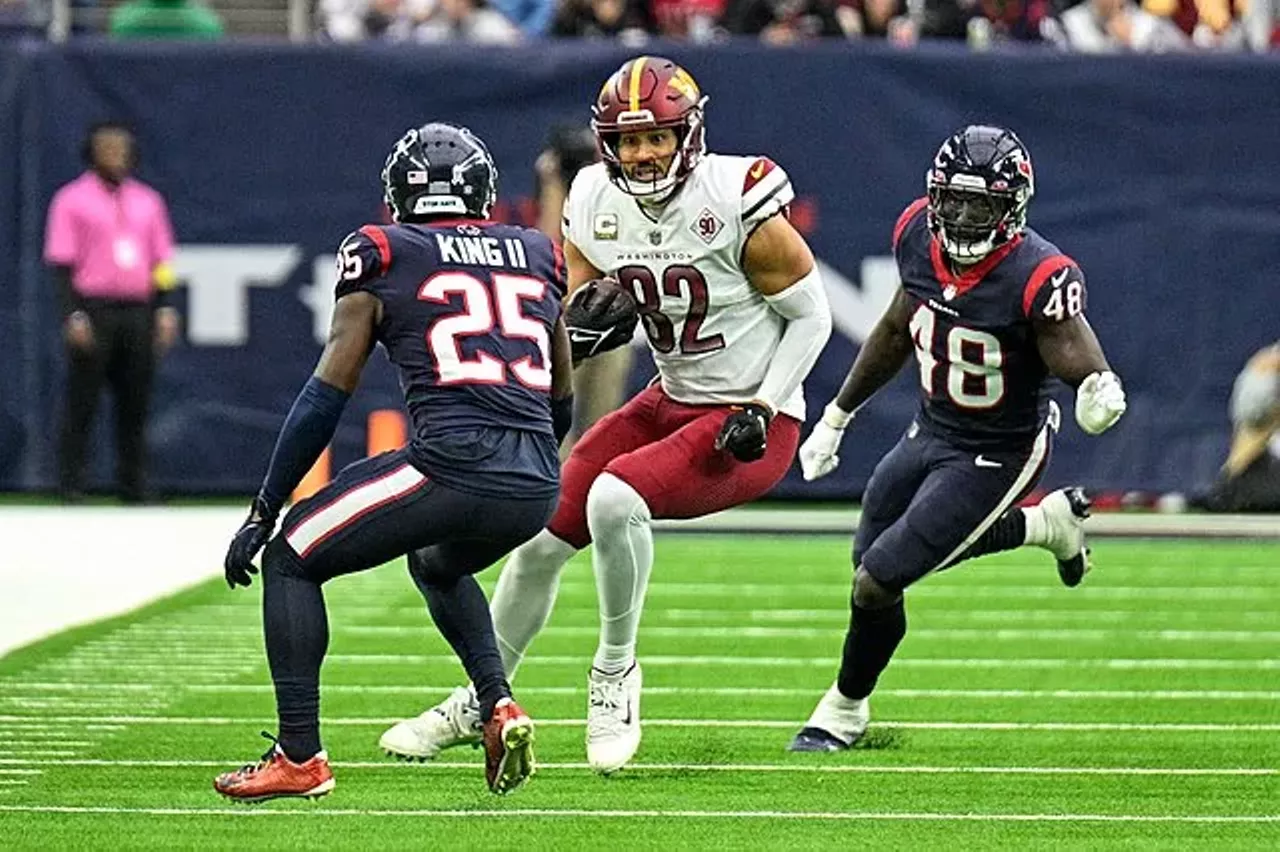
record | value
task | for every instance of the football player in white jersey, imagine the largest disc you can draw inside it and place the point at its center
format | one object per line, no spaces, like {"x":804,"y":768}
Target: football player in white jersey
{"x":735,"y":313}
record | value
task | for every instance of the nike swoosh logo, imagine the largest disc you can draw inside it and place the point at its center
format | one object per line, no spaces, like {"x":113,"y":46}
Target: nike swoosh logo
{"x":982,"y":461}
{"x":1060,"y":277}
{"x":757,"y":170}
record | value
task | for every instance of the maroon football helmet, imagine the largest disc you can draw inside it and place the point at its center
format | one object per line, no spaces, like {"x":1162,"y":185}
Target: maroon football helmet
{"x":650,"y":92}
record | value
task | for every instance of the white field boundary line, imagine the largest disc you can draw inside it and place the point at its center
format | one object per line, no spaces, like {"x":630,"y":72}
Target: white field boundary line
{"x":772,"y":662}
{"x":708,"y":768}
{"x":115,"y":664}
{"x":579,"y":813}
{"x":17,"y":686}
{"x":967,"y":591}
{"x":160,"y":644}
{"x":757,"y":519}
{"x":1169,"y":727}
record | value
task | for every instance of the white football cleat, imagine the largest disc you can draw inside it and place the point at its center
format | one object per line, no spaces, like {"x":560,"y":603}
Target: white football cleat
{"x":613,"y":719}
{"x":453,"y":722}
{"x":836,"y":723}
{"x":1063,"y":513}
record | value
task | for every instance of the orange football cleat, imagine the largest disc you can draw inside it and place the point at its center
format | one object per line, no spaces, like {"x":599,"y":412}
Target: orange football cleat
{"x":508,"y":747}
{"x":276,"y":776}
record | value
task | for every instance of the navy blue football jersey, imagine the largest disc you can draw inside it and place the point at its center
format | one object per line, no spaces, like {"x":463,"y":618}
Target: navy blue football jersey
{"x":469,"y":311}
{"x":982,"y":380}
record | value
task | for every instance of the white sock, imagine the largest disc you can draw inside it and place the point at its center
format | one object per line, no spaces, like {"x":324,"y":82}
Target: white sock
{"x":525,"y":594}
{"x":1037,"y":526}
{"x":623,"y":558}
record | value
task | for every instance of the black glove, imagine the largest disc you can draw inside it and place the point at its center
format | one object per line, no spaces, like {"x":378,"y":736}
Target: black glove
{"x":600,"y":316}
{"x":744,"y":432}
{"x":249,"y":539}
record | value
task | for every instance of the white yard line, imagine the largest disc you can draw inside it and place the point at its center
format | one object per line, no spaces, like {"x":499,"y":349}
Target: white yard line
{"x":829,"y":662}
{"x":579,"y":813}
{"x":427,"y":690}
{"x":800,"y":768}
{"x":1169,"y":727}
{"x":197,"y":668}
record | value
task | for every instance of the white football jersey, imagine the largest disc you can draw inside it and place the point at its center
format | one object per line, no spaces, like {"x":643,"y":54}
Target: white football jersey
{"x":713,"y":335}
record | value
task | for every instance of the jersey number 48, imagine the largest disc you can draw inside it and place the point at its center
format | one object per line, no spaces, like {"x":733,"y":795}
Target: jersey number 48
{"x":974,"y":378}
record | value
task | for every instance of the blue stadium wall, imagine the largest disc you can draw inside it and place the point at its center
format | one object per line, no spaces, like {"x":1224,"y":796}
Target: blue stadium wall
{"x":1161,"y":176}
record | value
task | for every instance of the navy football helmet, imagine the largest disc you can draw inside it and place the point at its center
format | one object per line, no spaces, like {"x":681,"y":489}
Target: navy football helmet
{"x":979,"y":187}
{"x":439,"y":170}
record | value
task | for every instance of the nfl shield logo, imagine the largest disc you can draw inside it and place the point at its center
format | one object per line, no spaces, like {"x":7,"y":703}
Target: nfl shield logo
{"x":949,"y":293}
{"x":655,"y":238}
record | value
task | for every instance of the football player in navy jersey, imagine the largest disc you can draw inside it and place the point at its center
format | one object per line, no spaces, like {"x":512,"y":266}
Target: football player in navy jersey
{"x":469,"y":312}
{"x":991,"y":310}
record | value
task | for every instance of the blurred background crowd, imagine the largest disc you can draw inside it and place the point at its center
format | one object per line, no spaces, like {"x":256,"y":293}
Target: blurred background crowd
{"x":1087,"y":26}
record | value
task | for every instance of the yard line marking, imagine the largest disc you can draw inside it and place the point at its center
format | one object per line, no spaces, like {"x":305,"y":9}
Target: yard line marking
{"x":926,"y":634}
{"x":1171,"y":727}
{"x":998,"y":616}
{"x":1154,"y":663}
{"x":734,"y":692}
{"x":826,"y":662}
{"x":711,"y":768}
{"x":967,"y":591}
{"x":578,"y":813}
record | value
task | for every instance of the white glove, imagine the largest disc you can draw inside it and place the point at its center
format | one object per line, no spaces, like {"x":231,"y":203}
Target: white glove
{"x":1099,"y":402}
{"x":818,"y":452}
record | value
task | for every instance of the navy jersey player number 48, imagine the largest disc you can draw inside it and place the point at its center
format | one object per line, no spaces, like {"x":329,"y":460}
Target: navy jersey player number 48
{"x":469,"y":312}
{"x":991,"y":310}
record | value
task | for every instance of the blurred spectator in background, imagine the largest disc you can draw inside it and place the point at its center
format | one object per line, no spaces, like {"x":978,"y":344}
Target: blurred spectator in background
{"x":869,"y":18}
{"x":1250,"y":478}
{"x":355,"y":20}
{"x":694,"y":20}
{"x":942,"y":18}
{"x":1113,"y":26}
{"x":627,"y":20}
{"x":466,"y":20}
{"x":165,"y":19}
{"x":108,"y":244}
{"x":1210,"y":24}
{"x":1018,"y":20}
{"x":532,"y":17}
{"x":784,"y":21}
{"x":599,"y":383}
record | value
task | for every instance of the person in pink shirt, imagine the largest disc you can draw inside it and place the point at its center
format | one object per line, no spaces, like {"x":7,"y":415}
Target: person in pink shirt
{"x":108,"y":244}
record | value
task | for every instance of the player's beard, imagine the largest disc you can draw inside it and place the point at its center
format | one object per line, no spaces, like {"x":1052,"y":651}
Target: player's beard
{"x":653,"y":177}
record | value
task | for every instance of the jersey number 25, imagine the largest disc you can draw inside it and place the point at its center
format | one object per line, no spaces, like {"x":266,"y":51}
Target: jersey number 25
{"x":477,"y":318}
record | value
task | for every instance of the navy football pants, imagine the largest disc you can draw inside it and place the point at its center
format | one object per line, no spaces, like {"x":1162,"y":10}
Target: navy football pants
{"x":928,"y":501}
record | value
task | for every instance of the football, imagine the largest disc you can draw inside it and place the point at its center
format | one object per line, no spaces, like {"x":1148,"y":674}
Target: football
{"x":601,"y":315}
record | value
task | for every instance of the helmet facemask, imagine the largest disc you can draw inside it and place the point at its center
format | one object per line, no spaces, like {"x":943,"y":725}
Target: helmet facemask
{"x":971,"y":222}
{"x":690,"y":146}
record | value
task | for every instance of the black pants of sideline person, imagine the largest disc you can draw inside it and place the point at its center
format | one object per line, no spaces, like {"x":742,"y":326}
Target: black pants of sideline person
{"x":122,"y":357}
